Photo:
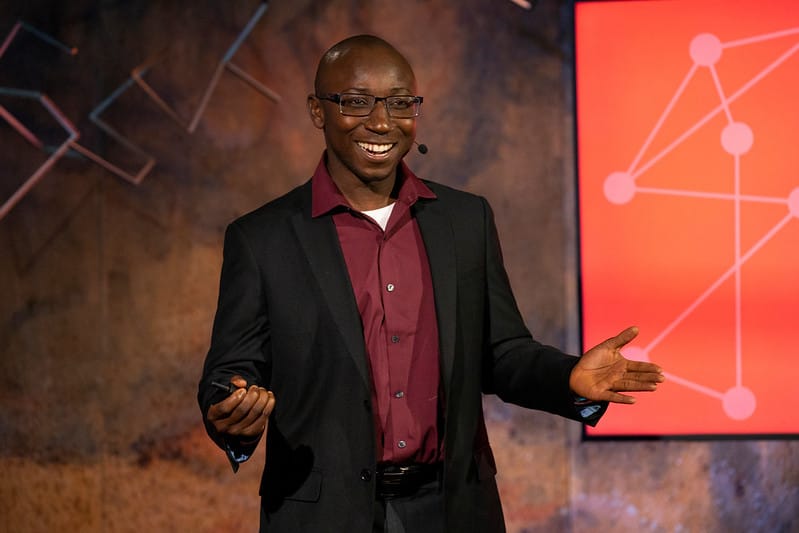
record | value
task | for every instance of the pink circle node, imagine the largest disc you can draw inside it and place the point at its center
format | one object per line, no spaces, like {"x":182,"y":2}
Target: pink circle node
{"x":619,"y":188}
{"x":705,"y":49}
{"x":739,"y":403}
{"x":636,"y":353}
{"x":793,"y":202}
{"x":737,"y":138}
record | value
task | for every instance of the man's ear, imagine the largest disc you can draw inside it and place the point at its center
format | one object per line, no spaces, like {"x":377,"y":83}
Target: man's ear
{"x":316,"y":112}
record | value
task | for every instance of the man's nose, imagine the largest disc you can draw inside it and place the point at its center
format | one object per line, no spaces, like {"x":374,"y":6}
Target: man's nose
{"x":379,"y":119}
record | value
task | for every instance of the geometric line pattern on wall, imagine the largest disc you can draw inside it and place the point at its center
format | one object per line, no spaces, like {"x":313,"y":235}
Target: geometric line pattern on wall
{"x":26,"y":133}
{"x":55,"y":111}
{"x":524,"y":4}
{"x":136,"y":78}
{"x":226,"y":63}
{"x":59,"y":152}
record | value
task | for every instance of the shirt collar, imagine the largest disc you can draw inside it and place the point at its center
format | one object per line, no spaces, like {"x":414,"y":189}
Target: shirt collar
{"x":325,"y":195}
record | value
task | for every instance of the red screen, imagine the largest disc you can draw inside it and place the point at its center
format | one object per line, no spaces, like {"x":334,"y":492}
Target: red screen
{"x":688,"y":157}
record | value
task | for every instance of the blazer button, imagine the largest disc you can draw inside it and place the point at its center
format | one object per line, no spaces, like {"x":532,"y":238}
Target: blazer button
{"x":366,"y":475}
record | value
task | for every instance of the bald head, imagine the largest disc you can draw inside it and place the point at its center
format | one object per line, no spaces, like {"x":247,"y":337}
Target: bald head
{"x":357,"y":46}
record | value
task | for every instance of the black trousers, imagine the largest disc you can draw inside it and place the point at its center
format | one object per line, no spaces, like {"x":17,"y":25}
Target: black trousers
{"x":421,"y":512}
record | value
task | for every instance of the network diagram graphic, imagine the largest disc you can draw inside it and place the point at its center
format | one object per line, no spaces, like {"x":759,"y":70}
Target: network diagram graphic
{"x":737,"y":137}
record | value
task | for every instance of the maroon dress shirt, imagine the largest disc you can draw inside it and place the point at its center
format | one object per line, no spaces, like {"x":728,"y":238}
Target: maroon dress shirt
{"x":390,"y":277}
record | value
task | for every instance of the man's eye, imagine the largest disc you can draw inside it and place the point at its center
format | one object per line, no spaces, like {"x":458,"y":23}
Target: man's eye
{"x":355,"y":101}
{"x":401,"y":103}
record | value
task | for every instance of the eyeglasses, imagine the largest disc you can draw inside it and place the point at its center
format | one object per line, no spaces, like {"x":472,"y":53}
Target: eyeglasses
{"x":361,"y":105}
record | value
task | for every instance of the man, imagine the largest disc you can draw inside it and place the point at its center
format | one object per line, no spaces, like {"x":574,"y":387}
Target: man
{"x":361,"y":317}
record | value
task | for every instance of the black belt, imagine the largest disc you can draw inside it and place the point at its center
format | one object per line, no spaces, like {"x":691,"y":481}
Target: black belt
{"x":403,"y":480}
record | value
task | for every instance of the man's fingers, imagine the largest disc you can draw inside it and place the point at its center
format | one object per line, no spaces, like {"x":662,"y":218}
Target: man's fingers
{"x":261,"y":422}
{"x":644,"y":377}
{"x":640,"y":376}
{"x":257,"y":412}
{"x":239,"y":381}
{"x":645,"y":380}
{"x":245,"y":412}
{"x":228,"y":406}
{"x":643,"y":366}
{"x":270,"y":403}
{"x":615,"y":397}
{"x":630,"y":385}
{"x":250,"y":408}
{"x":622,"y":338}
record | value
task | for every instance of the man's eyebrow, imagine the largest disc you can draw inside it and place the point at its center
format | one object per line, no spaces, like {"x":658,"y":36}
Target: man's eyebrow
{"x":364,"y":90}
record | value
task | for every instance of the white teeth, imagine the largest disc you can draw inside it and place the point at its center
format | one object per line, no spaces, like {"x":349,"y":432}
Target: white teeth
{"x":375,"y":148}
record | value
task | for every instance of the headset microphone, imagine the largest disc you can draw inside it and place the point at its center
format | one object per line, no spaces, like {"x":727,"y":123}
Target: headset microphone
{"x":421,"y":147}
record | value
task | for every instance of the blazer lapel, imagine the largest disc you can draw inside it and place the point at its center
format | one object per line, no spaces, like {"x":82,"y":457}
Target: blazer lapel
{"x":436,"y":232}
{"x":319,"y":240}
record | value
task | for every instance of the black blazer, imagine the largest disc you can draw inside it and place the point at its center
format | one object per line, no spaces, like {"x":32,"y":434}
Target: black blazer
{"x":287,"y":320}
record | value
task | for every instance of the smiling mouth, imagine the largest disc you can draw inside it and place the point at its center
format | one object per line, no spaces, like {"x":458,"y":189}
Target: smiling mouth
{"x":375,"y":149}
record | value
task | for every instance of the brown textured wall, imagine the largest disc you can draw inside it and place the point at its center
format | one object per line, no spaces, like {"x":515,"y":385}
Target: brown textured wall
{"x":109,"y":288}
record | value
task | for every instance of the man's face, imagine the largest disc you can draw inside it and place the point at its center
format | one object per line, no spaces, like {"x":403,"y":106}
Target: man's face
{"x":365,"y":148}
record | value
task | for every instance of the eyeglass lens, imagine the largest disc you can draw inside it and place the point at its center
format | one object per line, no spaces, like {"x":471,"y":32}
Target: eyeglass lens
{"x":361,"y":105}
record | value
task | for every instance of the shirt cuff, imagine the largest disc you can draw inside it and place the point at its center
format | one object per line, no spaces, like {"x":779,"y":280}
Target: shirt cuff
{"x":238,"y":451}
{"x":589,"y":410}
{"x":236,"y":457}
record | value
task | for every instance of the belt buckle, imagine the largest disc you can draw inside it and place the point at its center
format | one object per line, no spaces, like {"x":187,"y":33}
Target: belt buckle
{"x":393,"y":476}
{"x":398,"y":480}
{"x":390,"y":482}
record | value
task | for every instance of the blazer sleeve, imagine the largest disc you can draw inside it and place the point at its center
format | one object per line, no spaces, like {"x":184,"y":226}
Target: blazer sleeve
{"x":521,"y":370}
{"x":240,"y":335}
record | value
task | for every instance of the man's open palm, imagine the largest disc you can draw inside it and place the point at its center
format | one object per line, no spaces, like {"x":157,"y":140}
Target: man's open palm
{"x":603,"y":372}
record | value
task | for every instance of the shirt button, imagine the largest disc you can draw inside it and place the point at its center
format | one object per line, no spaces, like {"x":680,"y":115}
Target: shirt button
{"x":399,"y":394}
{"x":390,"y":287}
{"x":366,"y":474}
{"x":394,"y":339}
{"x":401,"y":444}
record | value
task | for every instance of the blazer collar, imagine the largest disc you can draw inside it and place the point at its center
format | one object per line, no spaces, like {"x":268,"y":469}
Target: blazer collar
{"x":327,"y":198}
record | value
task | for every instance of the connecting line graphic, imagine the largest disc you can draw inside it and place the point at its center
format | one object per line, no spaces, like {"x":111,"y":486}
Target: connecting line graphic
{"x":136,"y":77}
{"x":59,"y":152}
{"x":225,"y":63}
{"x":26,"y":133}
{"x":738,"y":402}
{"x":524,"y":4}
{"x":71,"y":143}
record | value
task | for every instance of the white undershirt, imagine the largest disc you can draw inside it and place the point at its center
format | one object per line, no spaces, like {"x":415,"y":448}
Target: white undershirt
{"x":380,"y":215}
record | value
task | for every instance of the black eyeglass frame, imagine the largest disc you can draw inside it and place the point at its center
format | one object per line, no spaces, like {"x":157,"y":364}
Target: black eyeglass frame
{"x":336,"y":98}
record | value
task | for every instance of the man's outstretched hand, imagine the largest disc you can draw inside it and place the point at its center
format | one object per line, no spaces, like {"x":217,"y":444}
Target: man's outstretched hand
{"x":603,"y":372}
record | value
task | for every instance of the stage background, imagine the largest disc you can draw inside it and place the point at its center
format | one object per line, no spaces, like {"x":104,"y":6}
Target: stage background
{"x":109,"y":288}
